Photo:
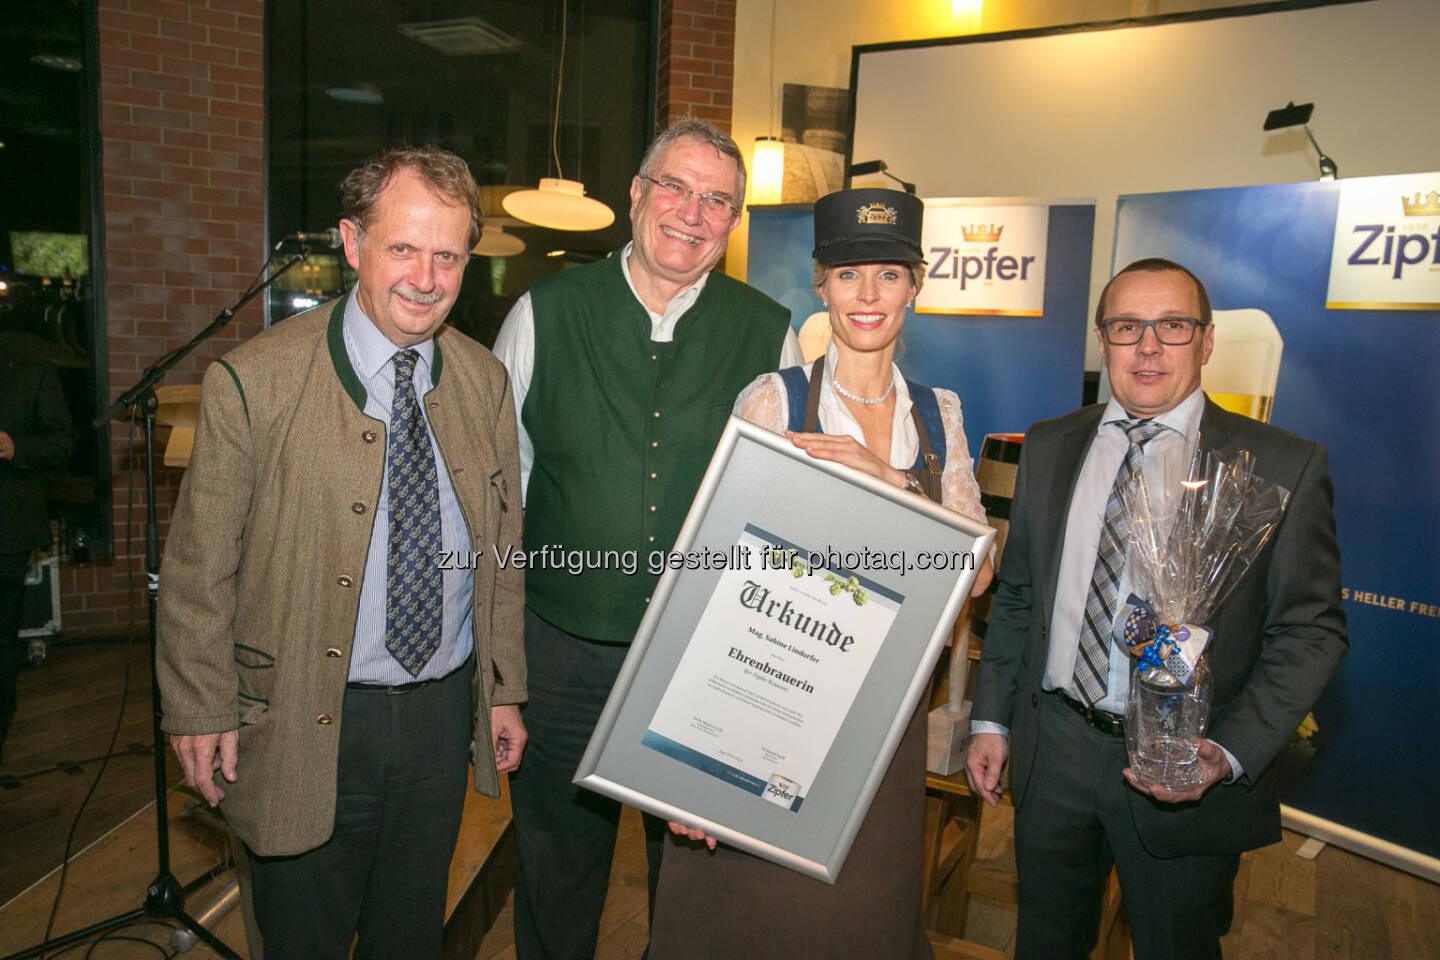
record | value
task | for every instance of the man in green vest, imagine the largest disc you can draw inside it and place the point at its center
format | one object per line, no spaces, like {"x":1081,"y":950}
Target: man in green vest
{"x":624,"y":373}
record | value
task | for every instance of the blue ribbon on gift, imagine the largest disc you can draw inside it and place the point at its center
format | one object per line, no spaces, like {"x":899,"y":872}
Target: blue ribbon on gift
{"x":1156,"y":644}
{"x":1149,"y":639}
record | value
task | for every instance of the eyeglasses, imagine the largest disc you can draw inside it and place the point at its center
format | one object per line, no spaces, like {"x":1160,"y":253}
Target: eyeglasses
{"x":1171,"y":331}
{"x":716,"y":206}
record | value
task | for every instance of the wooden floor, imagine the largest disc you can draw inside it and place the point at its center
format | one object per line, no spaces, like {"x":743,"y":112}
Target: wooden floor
{"x":1336,"y":907}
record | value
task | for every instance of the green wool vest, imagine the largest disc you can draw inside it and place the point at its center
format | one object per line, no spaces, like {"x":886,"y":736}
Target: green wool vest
{"x":623,"y":429}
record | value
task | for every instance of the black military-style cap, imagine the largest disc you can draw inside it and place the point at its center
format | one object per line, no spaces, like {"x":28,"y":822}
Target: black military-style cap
{"x":872,"y":225}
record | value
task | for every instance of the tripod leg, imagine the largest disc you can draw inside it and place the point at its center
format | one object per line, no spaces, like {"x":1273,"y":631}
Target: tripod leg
{"x":212,"y":941}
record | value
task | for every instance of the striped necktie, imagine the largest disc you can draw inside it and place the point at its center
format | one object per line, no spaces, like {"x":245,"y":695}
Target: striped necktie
{"x":1092,"y":662}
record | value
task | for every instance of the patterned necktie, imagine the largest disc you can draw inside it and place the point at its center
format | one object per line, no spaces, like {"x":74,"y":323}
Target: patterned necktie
{"x":414,"y":595}
{"x":1092,"y":664}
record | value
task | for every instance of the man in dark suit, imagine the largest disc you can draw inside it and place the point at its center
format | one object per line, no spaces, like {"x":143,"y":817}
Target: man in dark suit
{"x":1052,"y":686}
{"x":35,"y":438}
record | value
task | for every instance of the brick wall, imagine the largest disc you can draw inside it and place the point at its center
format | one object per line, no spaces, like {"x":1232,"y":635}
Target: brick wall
{"x":697,"y":61}
{"x":182,"y":131}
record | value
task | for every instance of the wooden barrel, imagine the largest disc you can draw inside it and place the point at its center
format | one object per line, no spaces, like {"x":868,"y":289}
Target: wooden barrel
{"x":995,"y":472}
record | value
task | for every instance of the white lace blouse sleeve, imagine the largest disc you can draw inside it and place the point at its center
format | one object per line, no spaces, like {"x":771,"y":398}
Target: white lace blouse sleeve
{"x":958,"y":488}
{"x":764,"y":403}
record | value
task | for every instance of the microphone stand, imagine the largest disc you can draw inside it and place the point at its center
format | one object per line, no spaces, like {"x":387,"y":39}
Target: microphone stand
{"x":164,"y":897}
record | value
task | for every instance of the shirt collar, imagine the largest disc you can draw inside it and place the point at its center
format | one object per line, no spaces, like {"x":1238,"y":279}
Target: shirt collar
{"x":681,"y":301}
{"x":370,"y":350}
{"x":1183,"y":418}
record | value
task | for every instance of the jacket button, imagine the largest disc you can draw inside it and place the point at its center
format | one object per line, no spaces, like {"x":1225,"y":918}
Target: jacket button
{"x":1035,"y":700}
{"x":345,"y":581}
{"x":368,"y":436}
{"x":357,"y":507}
{"x":324,"y":719}
{"x":333,"y":652}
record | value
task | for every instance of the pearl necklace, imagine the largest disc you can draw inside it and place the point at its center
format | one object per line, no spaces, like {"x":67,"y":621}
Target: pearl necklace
{"x":868,"y":401}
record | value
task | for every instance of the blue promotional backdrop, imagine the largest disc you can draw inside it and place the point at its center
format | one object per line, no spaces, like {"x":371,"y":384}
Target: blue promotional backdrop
{"x":1008,"y":371}
{"x":1364,"y":383}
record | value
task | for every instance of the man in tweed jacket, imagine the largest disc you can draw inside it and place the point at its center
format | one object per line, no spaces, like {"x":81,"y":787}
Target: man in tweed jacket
{"x":342,"y":766}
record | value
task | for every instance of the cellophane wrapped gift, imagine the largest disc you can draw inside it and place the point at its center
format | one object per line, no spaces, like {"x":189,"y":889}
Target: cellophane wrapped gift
{"x":1188,"y":542}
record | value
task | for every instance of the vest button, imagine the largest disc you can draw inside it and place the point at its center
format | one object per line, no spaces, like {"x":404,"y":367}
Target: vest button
{"x":345,"y":581}
{"x":653,"y":508}
{"x":651,"y":538}
{"x":368,"y":436}
{"x":652,"y":356}
{"x":333,"y":652}
{"x":1035,"y":701}
{"x":324,"y":719}
{"x":657,"y":414}
{"x":653,"y":474}
{"x":357,"y":507}
{"x":654,"y":443}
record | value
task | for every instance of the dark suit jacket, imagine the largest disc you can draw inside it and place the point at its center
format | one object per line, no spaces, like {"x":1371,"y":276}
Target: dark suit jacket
{"x":33,"y":413}
{"x":1278,"y":636}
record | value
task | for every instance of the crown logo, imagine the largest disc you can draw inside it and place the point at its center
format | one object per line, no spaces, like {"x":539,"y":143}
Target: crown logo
{"x":875,"y":213}
{"x":981,"y":233}
{"x":1430,"y":208}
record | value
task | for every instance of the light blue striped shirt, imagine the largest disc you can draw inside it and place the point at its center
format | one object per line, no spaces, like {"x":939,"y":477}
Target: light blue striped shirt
{"x":372,"y":356}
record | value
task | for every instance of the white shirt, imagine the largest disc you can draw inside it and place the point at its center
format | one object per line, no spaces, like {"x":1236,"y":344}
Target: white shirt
{"x":1167,"y":457}
{"x":766,"y":402}
{"x":515,"y":346}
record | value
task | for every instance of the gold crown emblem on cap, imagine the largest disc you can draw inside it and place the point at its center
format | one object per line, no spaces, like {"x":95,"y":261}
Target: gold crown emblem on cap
{"x":875,"y":213}
{"x":982,"y":232}
{"x":1430,"y":208}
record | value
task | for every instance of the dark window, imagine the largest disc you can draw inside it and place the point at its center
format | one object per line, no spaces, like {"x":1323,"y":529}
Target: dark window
{"x":346,"y":79}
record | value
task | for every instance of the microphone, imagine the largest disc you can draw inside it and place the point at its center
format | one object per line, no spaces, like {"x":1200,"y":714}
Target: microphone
{"x":325,"y":238}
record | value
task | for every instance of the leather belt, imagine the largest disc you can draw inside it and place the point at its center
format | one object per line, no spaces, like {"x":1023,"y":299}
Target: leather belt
{"x":1111,"y":724}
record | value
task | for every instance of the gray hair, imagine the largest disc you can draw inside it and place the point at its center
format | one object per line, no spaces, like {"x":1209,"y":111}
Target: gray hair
{"x":706,"y":133}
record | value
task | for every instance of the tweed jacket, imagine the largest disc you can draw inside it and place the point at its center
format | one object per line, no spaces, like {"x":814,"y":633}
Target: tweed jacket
{"x":266,"y":551}
{"x":1279,"y":635}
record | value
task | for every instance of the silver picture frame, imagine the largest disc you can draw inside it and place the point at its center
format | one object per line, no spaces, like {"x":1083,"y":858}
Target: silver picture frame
{"x":757,"y":479}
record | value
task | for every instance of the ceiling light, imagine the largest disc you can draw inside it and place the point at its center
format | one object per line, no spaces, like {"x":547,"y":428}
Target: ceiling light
{"x":559,"y":205}
{"x":56,"y":62}
{"x":495,"y":242}
{"x":360,"y":94}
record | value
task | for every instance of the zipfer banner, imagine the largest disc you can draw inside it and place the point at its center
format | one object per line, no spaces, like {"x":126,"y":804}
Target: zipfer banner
{"x":1342,"y":282}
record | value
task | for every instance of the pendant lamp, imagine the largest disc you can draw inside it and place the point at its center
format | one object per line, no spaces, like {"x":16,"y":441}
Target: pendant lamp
{"x":558,"y":203}
{"x":495,"y":242}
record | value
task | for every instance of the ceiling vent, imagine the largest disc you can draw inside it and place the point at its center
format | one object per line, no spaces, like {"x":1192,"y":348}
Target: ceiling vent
{"x":464,"y":37}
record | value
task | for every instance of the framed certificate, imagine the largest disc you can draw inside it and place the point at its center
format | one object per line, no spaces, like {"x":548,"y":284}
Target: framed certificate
{"x":788,"y":641}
